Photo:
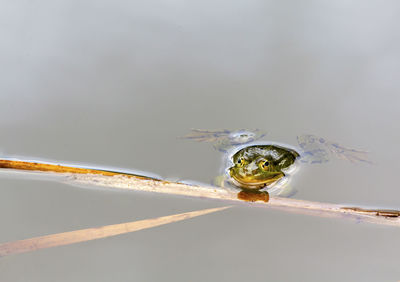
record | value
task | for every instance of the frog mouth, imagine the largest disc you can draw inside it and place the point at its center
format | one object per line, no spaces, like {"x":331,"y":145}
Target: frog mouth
{"x":249,"y":183}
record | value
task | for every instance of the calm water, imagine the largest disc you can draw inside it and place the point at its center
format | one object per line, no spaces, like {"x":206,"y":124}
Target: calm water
{"x":115,"y":84}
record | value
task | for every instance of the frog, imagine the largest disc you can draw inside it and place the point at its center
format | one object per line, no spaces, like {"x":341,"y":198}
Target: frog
{"x":257,"y":166}
{"x":261,"y":168}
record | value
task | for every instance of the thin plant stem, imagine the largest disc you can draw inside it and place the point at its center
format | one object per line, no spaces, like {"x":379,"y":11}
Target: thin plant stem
{"x":121,"y":180}
{"x":83,"y":235}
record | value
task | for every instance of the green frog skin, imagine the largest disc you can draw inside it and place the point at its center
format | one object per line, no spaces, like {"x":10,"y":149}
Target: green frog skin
{"x":258,"y":166}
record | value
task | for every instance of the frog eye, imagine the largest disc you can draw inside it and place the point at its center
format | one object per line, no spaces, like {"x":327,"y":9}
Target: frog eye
{"x":240,"y":161}
{"x":264,"y":164}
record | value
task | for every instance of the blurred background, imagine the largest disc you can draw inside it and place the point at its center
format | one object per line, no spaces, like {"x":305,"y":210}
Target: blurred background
{"x":114,"y":84}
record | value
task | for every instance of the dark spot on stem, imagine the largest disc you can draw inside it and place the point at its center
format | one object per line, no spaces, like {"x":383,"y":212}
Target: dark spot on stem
{"x":253,"y":196}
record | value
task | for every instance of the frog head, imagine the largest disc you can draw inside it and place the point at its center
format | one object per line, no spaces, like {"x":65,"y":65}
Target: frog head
{"x":258,"y":166}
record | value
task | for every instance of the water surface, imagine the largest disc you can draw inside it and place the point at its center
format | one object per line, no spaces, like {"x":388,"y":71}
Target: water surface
{"x":115,"y":84}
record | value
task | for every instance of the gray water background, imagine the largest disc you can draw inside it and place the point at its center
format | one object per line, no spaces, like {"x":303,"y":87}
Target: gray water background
{"x":114,"y":83}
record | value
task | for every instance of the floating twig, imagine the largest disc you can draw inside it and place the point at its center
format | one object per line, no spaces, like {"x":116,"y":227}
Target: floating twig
{"x":115,"y":179}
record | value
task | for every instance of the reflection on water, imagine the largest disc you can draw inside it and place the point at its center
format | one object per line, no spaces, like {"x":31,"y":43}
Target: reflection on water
{"x":113,"y":84}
